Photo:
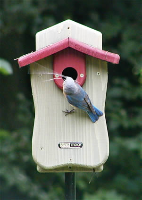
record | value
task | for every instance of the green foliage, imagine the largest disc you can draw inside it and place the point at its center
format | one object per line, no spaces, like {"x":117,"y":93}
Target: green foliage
{"x":17,"y":169}
{"x":123,"y":111}
{"x":120,"y":23}
{"x":5,"y":67}
{"x":105,"y":195}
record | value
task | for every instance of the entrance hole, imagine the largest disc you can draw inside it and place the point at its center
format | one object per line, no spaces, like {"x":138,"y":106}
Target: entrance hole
{"x":71,"y":72}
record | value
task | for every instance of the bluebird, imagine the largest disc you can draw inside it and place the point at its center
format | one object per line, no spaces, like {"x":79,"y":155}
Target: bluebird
{"x":78,"y":98}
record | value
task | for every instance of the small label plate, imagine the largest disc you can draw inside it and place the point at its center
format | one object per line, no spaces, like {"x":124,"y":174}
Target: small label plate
{"x":70,"y":145}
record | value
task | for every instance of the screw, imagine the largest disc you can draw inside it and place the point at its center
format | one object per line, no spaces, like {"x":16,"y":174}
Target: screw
{"x":81,"y":75}
{"x":56,"y":75}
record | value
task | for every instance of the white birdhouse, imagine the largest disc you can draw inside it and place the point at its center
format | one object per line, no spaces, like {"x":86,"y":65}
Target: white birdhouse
{"x":71,"y":143}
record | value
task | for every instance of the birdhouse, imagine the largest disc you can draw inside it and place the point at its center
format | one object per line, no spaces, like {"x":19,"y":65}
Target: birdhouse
{"x":68,"y":143}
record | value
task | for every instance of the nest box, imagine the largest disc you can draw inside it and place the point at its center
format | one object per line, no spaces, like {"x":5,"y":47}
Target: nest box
{"x":68,"y":143}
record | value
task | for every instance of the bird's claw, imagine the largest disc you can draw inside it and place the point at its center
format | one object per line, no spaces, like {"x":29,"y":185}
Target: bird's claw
{"x":68,"y":111}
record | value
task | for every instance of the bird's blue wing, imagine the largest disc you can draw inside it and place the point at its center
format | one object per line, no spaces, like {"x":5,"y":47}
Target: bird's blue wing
{"x":77,"y":99}
{"x":77,"y":102}
{"x":81,"y":100}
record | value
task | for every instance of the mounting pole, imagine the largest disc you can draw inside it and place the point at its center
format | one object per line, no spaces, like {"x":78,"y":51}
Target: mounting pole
{"x":70,"y":186}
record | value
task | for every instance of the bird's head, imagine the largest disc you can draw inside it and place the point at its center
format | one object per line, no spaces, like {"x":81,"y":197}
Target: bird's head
{"x":68,"y":81}
{"x":69,"y":84}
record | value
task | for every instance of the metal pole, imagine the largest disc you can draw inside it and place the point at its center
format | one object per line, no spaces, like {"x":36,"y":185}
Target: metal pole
{"x":70,"y":186}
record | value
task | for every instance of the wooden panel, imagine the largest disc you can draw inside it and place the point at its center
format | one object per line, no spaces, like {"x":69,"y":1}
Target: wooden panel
{"x":52,"y":127}
{"x":67,"y":29}
{"x":94,"y":52}
{"x":69,"y":42}
{"x":42,"y":53}
{"x":70,"y":169}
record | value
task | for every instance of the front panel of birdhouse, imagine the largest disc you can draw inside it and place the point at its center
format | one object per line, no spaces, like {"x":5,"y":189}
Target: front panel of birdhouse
{"x":72,"y":142}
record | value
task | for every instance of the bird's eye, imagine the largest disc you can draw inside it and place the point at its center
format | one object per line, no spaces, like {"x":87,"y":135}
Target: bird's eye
{"x":64,"y":78}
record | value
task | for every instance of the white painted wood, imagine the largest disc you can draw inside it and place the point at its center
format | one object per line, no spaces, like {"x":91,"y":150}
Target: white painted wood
{"x":70,"y":169}
{"x":67,"y":29}
{"x":51,"y":126}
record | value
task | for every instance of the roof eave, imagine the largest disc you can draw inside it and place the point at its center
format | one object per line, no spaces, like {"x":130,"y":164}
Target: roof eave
{"x":68,"y":42}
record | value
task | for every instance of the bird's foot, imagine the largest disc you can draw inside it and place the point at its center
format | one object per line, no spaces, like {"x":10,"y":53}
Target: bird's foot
{"x":68,"y":111}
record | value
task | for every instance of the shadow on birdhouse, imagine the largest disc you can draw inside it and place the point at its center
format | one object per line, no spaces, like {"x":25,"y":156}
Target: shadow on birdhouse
{"x":68,"y":143}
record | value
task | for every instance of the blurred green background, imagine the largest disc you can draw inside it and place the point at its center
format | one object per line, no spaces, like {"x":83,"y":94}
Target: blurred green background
{"x":120,"y":22}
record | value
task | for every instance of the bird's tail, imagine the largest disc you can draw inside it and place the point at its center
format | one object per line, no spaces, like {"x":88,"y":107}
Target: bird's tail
{"x":95,"y":117}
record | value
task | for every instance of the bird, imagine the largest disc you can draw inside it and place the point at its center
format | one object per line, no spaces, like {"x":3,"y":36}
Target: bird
{"x":78,"y":98}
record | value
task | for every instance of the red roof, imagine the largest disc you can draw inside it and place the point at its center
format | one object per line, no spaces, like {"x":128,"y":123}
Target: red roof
{"x":68,"y":42}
